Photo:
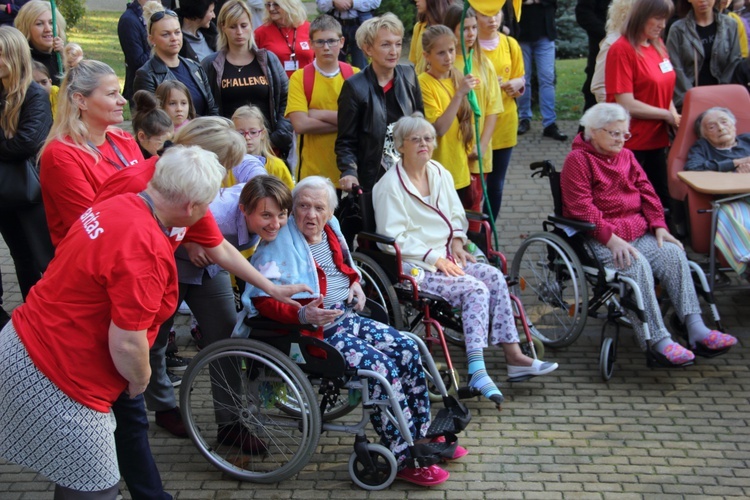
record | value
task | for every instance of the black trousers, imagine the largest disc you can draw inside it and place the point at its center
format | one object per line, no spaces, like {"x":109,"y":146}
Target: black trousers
{"x":27,"y":236}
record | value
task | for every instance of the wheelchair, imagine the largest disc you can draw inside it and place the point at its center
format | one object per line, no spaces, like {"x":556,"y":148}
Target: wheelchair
{"x":286,"y":389}
{"x":698,"y":211}
{"x":553,"y":270}
{"x":411,"y":309}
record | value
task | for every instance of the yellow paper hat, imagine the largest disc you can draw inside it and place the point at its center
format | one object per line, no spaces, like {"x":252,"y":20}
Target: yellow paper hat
{"x":492,"y":7}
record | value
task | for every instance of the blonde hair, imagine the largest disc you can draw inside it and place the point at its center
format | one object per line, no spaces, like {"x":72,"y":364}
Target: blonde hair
{"x":453,"y":21}
{"x":30,"y":12}
{"x":149,"y":9}
{"x":68,"y":126}
{"x":369,"y":29}
{"x":617,"y":14}
{"x":431,"y":35}
{"x":187,"y":174}
{"x":215,"y":134}
{"x":250,"y":112}
{"x":293,"y":11}
{"x":16,"y":56}
{"x":231,"y":12}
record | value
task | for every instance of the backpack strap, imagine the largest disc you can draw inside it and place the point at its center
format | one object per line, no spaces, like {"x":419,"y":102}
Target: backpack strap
{"x":308,"y":77}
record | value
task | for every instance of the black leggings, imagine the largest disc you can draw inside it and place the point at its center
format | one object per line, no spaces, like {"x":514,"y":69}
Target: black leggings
{"x":654,"y":163}
{"x":25,"y":232}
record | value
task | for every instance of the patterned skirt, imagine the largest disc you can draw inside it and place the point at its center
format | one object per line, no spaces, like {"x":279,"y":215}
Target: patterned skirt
{"x":43,"y":429}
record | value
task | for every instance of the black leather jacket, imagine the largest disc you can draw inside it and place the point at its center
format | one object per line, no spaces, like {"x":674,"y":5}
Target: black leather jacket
{"x":154,"y":72}
{"x":363,"y":120}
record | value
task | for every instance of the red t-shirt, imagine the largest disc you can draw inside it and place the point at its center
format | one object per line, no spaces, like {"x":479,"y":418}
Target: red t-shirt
{"x":115,"y":265}
{"x":70,"y":176}
{"x":650,"y":77}
{"x":205,"y":232}
{"x":281,"y":40}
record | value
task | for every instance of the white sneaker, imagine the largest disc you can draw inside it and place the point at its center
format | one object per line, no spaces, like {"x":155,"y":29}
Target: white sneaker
{"x":183,"y":309}
{"x":537,"y":368}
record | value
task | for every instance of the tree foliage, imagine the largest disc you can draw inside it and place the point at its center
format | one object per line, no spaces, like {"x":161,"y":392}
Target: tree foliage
{"x":72,"y":10}
{"x":572,"y":41}
{"x":404,"y":10}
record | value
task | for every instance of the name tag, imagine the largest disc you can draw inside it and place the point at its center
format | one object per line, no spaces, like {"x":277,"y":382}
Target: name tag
{"x":178,"y":233}
{"x":665,"y":66}
{"x":291,"y":65}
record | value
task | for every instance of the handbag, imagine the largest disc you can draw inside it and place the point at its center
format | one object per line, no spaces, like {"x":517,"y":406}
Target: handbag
{"x":19,"y":184}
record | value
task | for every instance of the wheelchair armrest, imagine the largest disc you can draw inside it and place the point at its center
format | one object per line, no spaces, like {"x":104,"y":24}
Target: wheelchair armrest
{"x":377,"y":238}
{"x":575,"y":224}
{"x":477,"y":216}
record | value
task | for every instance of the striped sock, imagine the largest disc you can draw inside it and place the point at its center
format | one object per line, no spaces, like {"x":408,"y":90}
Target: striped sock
{"x":479,"y":378}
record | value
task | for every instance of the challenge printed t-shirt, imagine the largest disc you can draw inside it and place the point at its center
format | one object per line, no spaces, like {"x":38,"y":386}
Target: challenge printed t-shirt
{"x":70,"y":177}
{"x":242,"y":85}
{"x":649,"y":76}
{"x":316,"y":151}
{"x":451,"y":151}
{"x":115,"y":265}
{"x":205,"y":232}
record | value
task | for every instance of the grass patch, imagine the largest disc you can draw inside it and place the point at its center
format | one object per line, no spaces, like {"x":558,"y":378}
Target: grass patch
{"x":97,"y":35}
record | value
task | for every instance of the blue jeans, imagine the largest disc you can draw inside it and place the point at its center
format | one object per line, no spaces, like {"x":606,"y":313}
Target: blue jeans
{"x":134,"y":456}
{"x":543,"y":53}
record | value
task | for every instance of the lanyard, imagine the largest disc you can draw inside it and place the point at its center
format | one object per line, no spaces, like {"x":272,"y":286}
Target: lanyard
{"x":117,"y":151}
{"x":286,"y":40}
{"x":150,"y":202}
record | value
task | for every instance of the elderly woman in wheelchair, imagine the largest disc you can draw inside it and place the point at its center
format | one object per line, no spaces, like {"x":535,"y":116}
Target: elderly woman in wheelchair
{"x":311,"y":250}
{"x":603,"y":184}
{"x":417,"y":205}
{"x":720,"y":149}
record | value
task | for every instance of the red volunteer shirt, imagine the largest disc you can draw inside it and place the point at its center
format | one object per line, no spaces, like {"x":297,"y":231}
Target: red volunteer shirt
{"x":280,"y":41}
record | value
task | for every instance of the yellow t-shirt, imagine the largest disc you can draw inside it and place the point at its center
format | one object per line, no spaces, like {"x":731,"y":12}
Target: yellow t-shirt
{"x":53,"y":92}
{"x":315,"y":152}
{"x":415,"y":50}
{"x":275,"y":166}
{"x":507,"y":59}
{"x":490,"y":102}
{"x":450,"y":151}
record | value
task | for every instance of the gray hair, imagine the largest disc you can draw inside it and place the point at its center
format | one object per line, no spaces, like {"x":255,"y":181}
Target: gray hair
{"x":699,"y":120}
{"x":408,"y":125}
{"x":316,"y":183}
{"x":600,"y":115}
{"x":188,"y":174}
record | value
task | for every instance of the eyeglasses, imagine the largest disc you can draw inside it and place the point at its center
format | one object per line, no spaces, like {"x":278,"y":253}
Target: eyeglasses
{"x":158,"y":16}
{"x":250,"y":133}
{"x":616,"y":134}
{"x":418,"y":139}
{"x":272,"y":5}
{"x":331,"y":42}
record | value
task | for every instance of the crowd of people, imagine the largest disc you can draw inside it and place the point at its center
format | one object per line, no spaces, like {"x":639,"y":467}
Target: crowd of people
{"x":233,"y":103}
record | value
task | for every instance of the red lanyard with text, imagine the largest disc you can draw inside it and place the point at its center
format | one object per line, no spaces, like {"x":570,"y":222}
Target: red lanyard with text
{"x":120,"y":156}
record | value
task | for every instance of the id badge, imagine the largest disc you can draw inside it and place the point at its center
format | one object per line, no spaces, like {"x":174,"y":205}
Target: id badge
{"x":291,"y":65}
{"x":665,"y":66}
{"x":178,"y":233}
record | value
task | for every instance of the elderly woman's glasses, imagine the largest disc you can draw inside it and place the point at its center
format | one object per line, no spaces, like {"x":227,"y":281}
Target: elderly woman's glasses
{"x":617,"y":135}
{"x":419,"y":139}
{"x":158,"y":16}
{"x":272,"y":5}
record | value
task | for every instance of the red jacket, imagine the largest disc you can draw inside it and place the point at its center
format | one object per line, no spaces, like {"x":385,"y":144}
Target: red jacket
{"x":285,"y":313}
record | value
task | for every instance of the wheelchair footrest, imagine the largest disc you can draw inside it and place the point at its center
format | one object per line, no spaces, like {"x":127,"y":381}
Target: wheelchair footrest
{"x":452,"y":419}
{"x":468,"y":392}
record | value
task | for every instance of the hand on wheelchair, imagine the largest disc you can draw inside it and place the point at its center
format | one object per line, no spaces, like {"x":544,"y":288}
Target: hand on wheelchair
{"x":621,"y":251}
{"x":316,"y":315}
{"x":356,"y":297}
{"x":346,"y":182}
{"x":663,"y":235}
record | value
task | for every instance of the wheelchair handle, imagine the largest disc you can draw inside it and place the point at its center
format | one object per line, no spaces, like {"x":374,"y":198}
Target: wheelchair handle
{"x":542,"y":168}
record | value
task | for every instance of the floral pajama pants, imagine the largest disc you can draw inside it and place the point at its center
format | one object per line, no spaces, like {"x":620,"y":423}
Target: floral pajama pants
{"x":482,"y":295}
{"x":670,"y":266}
{"x":369,"y":345}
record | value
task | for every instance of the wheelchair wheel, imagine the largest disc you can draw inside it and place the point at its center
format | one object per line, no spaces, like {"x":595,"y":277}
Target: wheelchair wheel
{"x":340,"y":404}
{"x":538,"y":348}
{"x":239,"y":382}
{"x":607,"y":358}
{"x":381,"y":476}
{"x":377,"y":287}
{"x":552,"y":288}
{"x":448,"y":377}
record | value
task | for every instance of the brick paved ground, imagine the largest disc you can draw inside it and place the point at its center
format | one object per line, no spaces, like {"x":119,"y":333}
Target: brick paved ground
{"x":646,"y":433}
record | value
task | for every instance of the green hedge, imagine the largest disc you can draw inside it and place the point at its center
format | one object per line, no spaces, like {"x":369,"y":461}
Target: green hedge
{"x":404,"y":10}
{"x":72,"y":10}
{"x":572,"y":41}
